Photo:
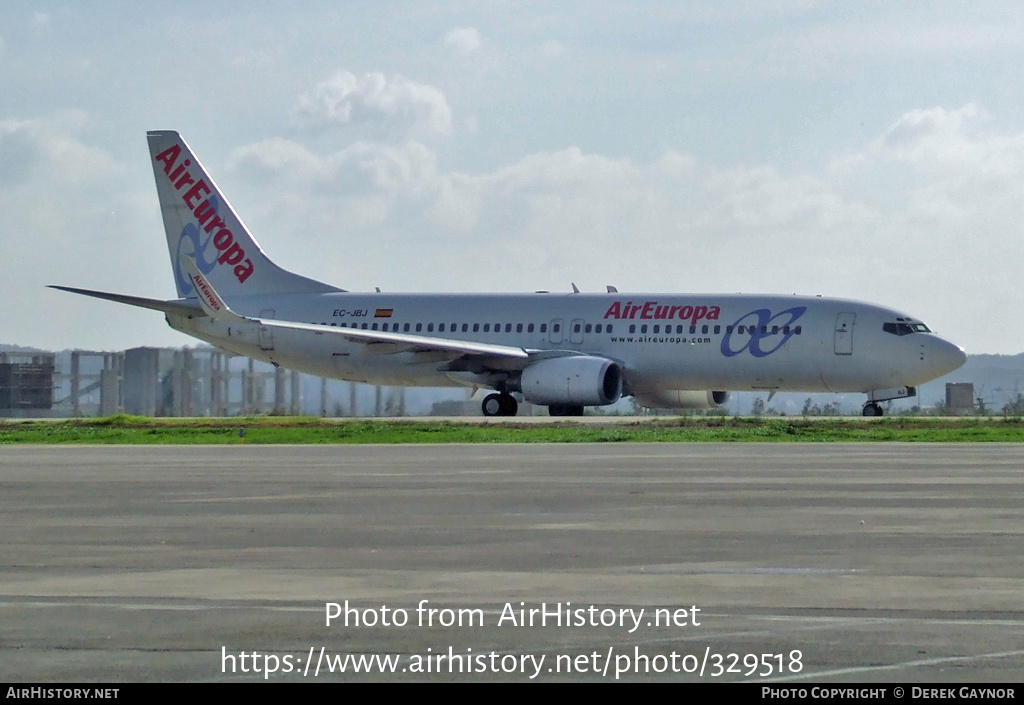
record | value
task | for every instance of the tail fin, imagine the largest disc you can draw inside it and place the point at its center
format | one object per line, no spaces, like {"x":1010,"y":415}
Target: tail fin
{"x":201,"y":224}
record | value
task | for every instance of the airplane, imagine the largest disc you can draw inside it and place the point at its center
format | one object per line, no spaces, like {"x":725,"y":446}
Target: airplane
{"x":564,"y":351}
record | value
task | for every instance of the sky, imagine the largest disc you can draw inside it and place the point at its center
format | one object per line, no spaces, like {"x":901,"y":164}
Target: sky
{"x":868,"y":150}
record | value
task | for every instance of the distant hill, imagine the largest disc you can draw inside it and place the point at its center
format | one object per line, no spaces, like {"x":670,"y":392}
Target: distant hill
{"x":998,"y":379}
{"x":20,"y":349}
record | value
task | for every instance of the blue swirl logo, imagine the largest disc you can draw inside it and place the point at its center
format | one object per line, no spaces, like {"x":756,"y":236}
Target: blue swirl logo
{"x":191,"y":235}
{"x":760,"y":325}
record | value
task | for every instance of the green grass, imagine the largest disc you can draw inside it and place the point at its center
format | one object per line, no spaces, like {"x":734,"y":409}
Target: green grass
{"x":125,"y":429}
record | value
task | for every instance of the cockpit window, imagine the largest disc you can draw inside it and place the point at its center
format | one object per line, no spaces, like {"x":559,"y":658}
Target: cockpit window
{"x":905,"y":328}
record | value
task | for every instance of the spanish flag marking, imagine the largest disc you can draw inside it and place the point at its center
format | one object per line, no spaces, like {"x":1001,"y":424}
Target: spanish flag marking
{"x":383,"y":313}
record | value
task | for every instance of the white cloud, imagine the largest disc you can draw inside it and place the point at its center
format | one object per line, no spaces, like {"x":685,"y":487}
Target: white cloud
{"x":463,"y":40}
{"x":943,"y":156}
{"x":279,"y":158}
{"x":953,"y":138}
{"x":49,"y":149}
{"x":377,"y":102}
{"x":363,"y":166}
{"x":923,"y":125}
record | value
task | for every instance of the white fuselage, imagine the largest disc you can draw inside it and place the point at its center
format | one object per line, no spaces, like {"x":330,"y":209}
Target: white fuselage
{"x":662,"y":341}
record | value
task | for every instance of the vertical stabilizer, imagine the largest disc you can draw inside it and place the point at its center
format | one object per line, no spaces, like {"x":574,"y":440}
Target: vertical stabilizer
{"x":201,"y":225}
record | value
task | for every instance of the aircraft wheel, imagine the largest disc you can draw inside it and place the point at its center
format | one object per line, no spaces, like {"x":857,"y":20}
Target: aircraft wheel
{"x":574,"y":411}
{"x":492,"y":405}
{"x":509,"y":405}
{"x":556,"y":410}
{"x":872,"y":409}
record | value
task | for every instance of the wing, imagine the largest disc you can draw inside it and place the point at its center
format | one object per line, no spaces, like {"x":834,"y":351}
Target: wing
{"x":383,"y":343}
{"x":401,"y":342}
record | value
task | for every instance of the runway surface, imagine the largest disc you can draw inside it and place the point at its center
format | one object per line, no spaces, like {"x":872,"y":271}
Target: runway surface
{"x":829,"y":562}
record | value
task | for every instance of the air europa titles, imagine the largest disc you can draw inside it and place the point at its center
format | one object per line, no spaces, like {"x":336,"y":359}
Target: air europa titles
{"x":201,"y":287}
{"x":231,"y":253}
{"x":652,"y":310}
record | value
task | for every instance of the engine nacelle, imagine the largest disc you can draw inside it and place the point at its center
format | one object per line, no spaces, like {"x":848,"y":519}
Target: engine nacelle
{"x":580,"y":380}
{"x":681,"y":399}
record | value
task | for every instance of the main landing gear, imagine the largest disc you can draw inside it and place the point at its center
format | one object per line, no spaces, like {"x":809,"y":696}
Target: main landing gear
{"x":500,"y":405}
{"x":872,"y":409}
{"x":504,"y":404}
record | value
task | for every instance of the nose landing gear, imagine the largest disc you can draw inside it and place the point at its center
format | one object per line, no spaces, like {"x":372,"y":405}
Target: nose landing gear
{"x":872,"y":409}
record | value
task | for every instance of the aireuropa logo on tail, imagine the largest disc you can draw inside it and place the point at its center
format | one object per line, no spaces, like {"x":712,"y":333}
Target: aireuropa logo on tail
{"x":199,"y":199}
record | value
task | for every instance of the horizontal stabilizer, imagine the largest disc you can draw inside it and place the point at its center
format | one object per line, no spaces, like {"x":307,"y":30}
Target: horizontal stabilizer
{"x":184,"y":307}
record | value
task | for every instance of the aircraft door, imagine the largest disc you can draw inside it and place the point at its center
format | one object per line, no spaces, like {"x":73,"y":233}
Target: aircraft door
{"x":576,"y":331}
{"x":844,"y":333}
{"x":266,"y":334}
{"x":555,"y":334}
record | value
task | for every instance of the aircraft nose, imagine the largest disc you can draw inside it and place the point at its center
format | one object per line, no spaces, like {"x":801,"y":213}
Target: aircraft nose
{"x":946,"y":356}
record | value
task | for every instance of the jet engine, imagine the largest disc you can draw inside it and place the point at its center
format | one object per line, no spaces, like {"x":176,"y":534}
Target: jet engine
{"x":580,"y":380}
{"x":681,"y":399}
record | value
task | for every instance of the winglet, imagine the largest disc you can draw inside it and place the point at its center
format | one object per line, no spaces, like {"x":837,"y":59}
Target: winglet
{"x":209,"y":299}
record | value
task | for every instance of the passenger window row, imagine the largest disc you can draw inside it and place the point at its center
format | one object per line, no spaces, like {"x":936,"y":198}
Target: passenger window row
{"x":898,"y":329}
{"x":468,"y":327}
{"x":704,"y":330}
